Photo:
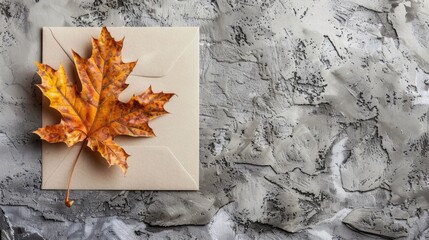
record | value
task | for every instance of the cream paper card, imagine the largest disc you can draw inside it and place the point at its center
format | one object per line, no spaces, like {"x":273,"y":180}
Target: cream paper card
{"x":168,"y":60}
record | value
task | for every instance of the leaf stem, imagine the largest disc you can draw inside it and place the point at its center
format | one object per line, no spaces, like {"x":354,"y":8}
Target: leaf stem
{"x":69,"y":202}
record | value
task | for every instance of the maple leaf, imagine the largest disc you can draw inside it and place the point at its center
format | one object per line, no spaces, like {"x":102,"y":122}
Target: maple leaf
{"x":94,"y":114}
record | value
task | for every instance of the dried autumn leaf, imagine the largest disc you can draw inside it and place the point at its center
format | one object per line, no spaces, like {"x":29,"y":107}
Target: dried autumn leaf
{"x":94,"y":114}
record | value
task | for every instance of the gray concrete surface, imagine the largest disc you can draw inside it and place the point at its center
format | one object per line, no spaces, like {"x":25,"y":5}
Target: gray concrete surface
{"x":314,"y":123}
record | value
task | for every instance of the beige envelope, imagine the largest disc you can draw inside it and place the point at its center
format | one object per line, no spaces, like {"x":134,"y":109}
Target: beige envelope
{"x":168,"y":60}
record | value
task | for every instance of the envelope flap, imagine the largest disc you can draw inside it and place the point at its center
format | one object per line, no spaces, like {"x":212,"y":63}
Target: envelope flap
{"x":157,"y":169}
{"x":154,"y":48}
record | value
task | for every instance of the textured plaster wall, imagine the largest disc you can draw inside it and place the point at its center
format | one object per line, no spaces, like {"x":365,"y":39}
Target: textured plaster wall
{"x":314,"y":123}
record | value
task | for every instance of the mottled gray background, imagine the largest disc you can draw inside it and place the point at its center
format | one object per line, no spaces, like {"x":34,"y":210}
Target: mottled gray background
{"x":314,"y":123}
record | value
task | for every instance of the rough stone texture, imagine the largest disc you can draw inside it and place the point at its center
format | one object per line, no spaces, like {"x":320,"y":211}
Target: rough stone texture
{"x":314,"y":123}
